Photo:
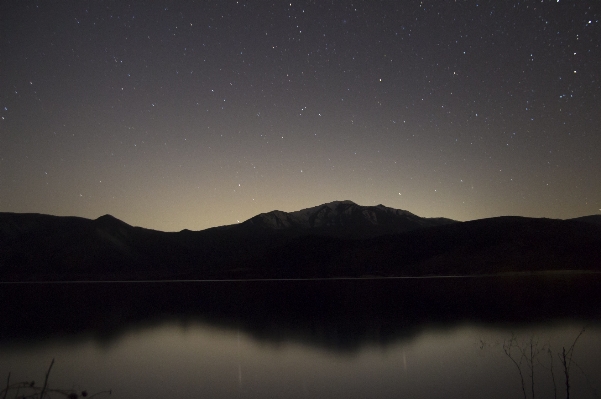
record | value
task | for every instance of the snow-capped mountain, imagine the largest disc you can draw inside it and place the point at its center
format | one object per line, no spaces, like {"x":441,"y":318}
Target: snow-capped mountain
{"x":343,"y":218}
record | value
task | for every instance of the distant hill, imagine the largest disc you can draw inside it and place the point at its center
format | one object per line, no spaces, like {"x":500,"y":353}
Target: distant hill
{"x":594,"y":219}
{"x":331,"y":240}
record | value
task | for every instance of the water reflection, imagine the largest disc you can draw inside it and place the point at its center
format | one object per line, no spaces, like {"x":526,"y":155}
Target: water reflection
{"x":200,"y":360}
{"x":326,"y":339}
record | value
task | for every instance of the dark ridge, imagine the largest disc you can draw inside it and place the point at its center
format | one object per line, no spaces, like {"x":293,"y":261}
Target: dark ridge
{"x":339,"y":239}
{"x":593,"y":219}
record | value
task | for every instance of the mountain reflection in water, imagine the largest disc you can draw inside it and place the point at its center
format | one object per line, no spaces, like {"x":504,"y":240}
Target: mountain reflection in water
{"x":326,"y":338}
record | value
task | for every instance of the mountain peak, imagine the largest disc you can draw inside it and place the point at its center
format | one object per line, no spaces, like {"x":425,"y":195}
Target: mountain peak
{"x":106,"y":217}
{"x":334,"y":204}
{"x":110,"y":222}
{"x":330,"y":205}
{"x":342,"y":218}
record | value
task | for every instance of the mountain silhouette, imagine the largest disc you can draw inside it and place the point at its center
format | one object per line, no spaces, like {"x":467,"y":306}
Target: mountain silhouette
{"x":337,"y":239}
{"x":342,"y":219}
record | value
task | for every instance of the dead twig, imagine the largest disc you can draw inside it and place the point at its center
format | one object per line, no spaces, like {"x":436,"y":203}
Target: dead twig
{"x":7,"y":385}
{"x":46,"y":379}
{"x":507,"y":349}
{"x":31,"y":391}
{"x":565,"y":357}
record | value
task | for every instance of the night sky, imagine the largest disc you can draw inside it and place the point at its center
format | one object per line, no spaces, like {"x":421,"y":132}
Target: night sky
{"x":173,"y":115}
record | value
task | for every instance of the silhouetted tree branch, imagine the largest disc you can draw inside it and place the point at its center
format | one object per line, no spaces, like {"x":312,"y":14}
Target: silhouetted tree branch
{"x":34,"y":392}
{"x":529,"y":352}
{"x":507,"y":346}
{"x":566,"y":360}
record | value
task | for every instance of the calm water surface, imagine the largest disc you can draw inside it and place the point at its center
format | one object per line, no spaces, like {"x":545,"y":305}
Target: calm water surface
{"x":434,"y":338}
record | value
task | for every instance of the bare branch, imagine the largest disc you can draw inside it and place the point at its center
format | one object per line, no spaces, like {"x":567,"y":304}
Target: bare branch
{"x":28,"y":390}
{"x":46,"y":379}
{"x":507,"y":349}
{"x":7,"y":386}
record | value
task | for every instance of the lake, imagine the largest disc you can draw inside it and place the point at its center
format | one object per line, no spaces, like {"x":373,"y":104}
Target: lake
{"x":376,"y":338}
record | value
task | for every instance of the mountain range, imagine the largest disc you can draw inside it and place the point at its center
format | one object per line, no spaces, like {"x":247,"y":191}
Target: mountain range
{"x":337,"y":239}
